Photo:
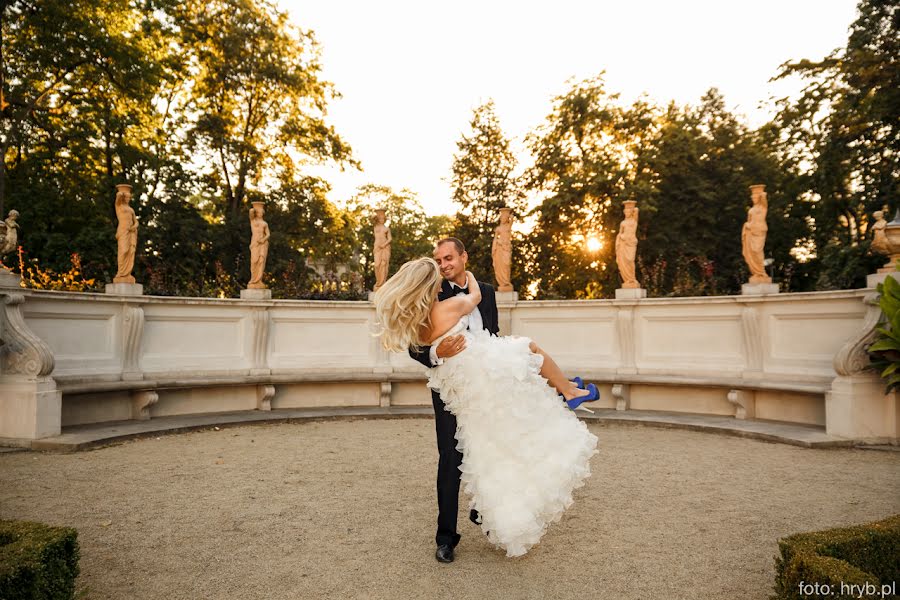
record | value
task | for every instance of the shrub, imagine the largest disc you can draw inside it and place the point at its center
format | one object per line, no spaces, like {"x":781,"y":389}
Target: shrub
{"x":35,"y":277}
{"x":885,"y":351}
{"x":828,"y":562}
{"x":37,"y":561}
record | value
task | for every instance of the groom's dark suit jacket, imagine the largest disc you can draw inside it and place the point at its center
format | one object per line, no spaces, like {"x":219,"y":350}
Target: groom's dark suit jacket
{"x":445,"y":426}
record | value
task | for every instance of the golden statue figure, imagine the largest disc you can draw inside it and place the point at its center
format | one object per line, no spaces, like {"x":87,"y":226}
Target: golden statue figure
{"x":9,"y":237}
{"x":259,"y":247}
{"x":880,"y":244}
{"x":501,"y":251}
{"x":381,"y":249}
{"x":626,"y":246}
{"x":753,"y":235}
{"x":126,"y":234}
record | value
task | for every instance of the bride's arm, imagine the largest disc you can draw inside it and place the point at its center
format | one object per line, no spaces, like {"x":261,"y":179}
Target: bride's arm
{"x":452,"y":309}
{"x":474,"y":289}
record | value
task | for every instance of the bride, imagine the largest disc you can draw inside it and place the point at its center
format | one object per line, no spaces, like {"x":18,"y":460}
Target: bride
{"x":523,"y":451}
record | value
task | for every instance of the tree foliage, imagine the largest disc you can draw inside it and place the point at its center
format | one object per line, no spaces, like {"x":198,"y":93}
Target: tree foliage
{"x":485,"y":179}
{"x":703,"y":161}
{"x":845,"y":127}
{"x":205,"y":106}
{"x":201,"y":106}
{"x":590,"y":155}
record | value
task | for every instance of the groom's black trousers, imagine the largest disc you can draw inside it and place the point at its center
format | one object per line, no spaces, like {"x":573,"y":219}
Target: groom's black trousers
{"x":445,"y":425}
{"x":448,"y":475}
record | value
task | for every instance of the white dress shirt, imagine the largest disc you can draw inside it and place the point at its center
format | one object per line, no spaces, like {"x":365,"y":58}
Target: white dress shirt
{"x":475,"y":323}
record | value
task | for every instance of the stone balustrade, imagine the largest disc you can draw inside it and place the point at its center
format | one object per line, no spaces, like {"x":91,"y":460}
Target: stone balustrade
{"x":74,"y":358}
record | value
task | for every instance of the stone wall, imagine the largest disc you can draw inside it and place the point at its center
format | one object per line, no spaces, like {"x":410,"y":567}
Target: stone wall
{"x":785,"y":357}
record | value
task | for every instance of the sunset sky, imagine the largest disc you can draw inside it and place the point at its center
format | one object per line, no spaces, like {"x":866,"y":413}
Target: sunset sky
{"x":411,"y":72}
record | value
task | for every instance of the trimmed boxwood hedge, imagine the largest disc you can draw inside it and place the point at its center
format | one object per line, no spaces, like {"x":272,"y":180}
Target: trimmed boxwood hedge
{"x":858,"y":555}
{"x":37,"y":561}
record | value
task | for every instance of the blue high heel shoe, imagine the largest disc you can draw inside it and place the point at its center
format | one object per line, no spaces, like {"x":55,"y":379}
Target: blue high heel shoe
{"x":592,"y":395}
{"x":579,"y":383}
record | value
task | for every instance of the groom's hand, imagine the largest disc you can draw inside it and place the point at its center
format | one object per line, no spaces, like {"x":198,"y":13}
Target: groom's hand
{"x":450,"y":346}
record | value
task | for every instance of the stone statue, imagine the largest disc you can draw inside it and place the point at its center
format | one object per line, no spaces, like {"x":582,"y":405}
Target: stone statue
{"x":880,"y":244}
{"x":126,"y":234}
{"x":9,"y":237}
{"x":381,"y":249}
{"x":501,"y":251}
{"x":259,"y":247}
{"x":626,"y":246}
{"x":753,"y":235}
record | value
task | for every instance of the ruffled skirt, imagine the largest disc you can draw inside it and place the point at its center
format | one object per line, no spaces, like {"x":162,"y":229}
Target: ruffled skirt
{"x":524,"y":451}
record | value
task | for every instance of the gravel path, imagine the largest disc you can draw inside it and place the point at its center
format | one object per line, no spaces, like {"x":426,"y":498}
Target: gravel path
{"x":346,"y":509}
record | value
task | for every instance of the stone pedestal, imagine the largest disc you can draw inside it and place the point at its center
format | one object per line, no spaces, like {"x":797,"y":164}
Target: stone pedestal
{"x":874,"y":279}
{"x":621,"y":393}
{"x":744,"y":402}
{"x":125,"y":289}
{"x":9,"y":279}
{"x":506,"y":301}
{"x":256,"y":294}
{"x":30,"y":408}
{"x":759,"y":289}
{"x":857,"y":407}
{"x":30,"y":404}
{"x":630,"y":293}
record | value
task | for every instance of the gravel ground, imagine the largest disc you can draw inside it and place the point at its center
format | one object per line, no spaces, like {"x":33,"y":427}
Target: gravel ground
{"x":346,"y":509}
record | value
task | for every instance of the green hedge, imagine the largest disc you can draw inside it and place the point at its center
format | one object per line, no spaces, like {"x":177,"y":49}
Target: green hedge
{"x":823,"y":564}
{"x":37,"y":561}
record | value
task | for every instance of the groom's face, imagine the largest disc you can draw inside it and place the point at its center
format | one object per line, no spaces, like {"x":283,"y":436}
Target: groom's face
{"x":451,"y":262}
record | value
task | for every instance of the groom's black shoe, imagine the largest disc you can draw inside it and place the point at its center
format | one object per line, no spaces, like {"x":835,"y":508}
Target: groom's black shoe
{"x":444,"y":553}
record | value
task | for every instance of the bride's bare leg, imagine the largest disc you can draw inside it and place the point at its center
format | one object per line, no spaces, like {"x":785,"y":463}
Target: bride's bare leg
{"x":552,"y":373}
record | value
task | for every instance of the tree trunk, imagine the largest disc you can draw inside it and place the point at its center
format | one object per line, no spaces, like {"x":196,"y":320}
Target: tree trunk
{"x":3,"y":150}
{"x":2,"y":109}
{"x":108,"y":155}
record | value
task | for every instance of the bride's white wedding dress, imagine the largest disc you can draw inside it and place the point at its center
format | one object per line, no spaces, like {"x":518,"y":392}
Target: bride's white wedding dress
{"x":524,"y":451}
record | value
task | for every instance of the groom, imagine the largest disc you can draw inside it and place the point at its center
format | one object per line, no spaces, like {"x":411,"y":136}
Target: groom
{"x":451,"y":257}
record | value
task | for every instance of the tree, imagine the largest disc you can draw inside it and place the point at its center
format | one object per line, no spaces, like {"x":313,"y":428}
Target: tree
{"x":53,"y":55}
{"x":703,"y":161}
{"x":99,"y":94}
{"x":590,"y":157}
{"x":484,"y":181}
{"x":76,"y":78}
{"x":846,"y":127}
{"x":259,"y":95}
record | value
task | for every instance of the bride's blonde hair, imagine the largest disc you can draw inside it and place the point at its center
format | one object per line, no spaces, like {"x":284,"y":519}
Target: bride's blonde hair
{"x":403,"y":304}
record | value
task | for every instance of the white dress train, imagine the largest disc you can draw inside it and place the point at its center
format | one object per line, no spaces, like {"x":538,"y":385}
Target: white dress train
{"x":524,"y":451}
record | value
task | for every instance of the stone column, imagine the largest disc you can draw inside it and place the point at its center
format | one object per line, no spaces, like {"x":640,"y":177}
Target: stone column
{"x":506,"y":302}
{"x":258,"y":324}
{"x":133,"y":332}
